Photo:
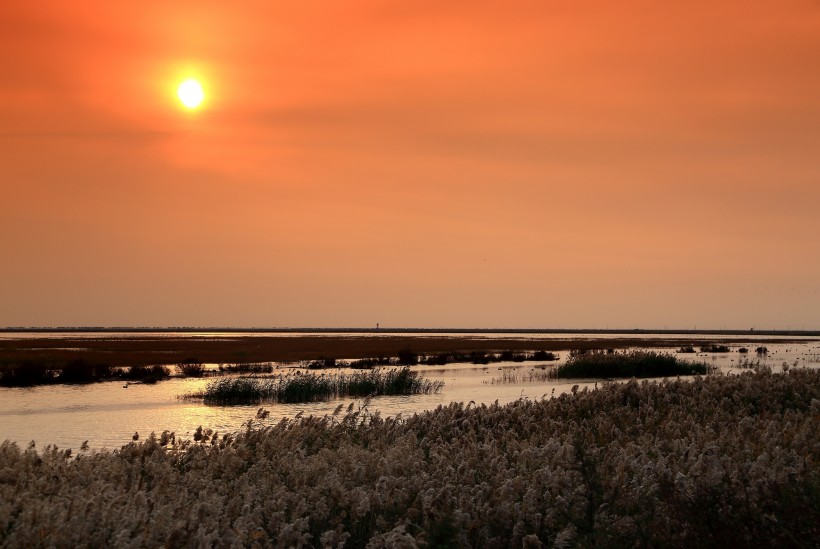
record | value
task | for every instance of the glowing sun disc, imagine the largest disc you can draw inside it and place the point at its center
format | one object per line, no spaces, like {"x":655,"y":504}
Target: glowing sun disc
{"x":190,"y":93}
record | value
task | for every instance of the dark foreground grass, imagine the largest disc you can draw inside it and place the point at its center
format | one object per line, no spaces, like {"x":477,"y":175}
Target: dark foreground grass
{"x":298,"y":387}
{"x":627,"y":364}
{"x":715,"y":461}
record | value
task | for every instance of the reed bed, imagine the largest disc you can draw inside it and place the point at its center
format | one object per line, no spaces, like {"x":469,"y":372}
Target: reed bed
{"x":408,"y":357}
{"x":246,"y":368}
{"x":595,"y":365}
{"x":718,"y":461}
{"x":529,"y":376}
{"x":307,"y":387}
{"x":715,"y":348}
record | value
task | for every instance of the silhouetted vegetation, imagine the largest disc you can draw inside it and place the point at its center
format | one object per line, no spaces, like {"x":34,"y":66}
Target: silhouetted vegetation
{"x":27,"y":374}
{"x":407,"y":357}
{"x":762,"y":350}
{"x":714,"y":348}
{"x":31,"y":373}
{"x":592,"y":365}
{"x":519,"y":375}
{"x":80,"y":371}
{"x":712,"y":462}
{"x":246,"y":368}
{"x":687,"y":349}
{"x":583,"y":351}
{"x":743,"y":350}
{"x":299,"y":387}
{"x":146,"y":374}
{"x":369,"y":363}
{"x":543,"y":355}
{"x":512,"y":356}
{"x":323,"y":363}
{"x":440,"y":359}
{"x":191,"y":368}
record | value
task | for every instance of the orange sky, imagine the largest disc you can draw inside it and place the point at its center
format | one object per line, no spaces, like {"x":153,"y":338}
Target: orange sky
{"x":462,"y":163}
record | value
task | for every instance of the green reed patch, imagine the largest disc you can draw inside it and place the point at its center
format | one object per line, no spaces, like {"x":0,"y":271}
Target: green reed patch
{"x":306,"y":387}
{"x":627,"y":364}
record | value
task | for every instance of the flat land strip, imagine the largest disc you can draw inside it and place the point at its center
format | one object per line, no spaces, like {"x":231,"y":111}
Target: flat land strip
{"x":147,"y":350}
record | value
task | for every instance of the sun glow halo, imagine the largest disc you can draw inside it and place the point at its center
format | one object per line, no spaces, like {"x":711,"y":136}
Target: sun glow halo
{"x":190,"y":93}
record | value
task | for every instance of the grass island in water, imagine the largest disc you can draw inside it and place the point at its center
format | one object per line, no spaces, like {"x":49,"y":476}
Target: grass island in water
{"x":612,"y":364}
{"x":299,"y":387}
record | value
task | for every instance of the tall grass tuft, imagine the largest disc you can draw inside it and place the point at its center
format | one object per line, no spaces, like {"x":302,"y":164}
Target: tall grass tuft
{"x":298,"y":387}
{"x":627,"y":364}
{"x":191,"y":368}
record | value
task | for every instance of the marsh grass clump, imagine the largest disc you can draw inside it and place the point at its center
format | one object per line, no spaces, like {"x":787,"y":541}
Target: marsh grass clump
{"x":298,"y":387}
{"x":407,"y":357}
{"x":687,"y":349}
{"x":322,"y":363}
{"x":714,"y":348}
{"x":481,"y":357}
{"x":440,"y":359}
{"x":191,"y":368}
{"x":370,"y":363}
{"x":146,"y":374}
{"x":717,"y":461}
{"x":235,"y":390}
{"x":247,"y":368}
{"x":511,"y":356}
{"x":529,"y":376}
{"x":543,"y":356}
{"x":627,"y":364}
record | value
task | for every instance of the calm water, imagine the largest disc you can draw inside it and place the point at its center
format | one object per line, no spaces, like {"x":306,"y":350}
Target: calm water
{"x":108,"y":414}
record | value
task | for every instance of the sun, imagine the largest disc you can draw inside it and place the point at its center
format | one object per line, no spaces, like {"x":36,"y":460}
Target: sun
{"x":190,"y":93}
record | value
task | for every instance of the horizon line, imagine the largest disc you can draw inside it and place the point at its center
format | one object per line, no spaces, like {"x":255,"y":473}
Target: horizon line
{"x":387,"y":330}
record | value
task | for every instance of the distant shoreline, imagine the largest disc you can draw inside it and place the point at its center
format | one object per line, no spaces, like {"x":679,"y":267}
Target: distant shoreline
{"x":246,"y":347}
{"x":387,"y":331}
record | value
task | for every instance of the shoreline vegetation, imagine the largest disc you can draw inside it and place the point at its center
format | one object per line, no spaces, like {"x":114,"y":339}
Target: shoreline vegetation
{"x":78,"y":372}
{"x":640,"y":364}
{"x":609,"y":365}
{"x":148,"y":350}
{"x":36,"y":361}
{"x":714,"y":461}
{"x":298,"y":387}
{"x":582,"y":364}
